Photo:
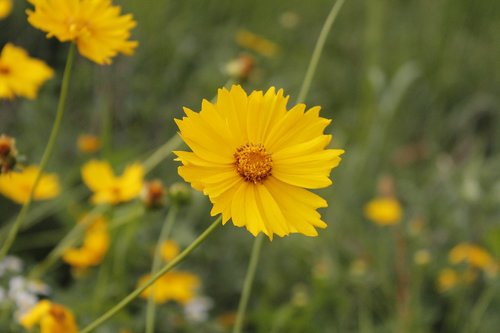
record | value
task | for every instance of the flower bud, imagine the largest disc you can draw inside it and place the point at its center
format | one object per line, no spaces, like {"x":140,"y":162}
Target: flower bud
{"x":180,"y":194}
{"x":153,"y":194}
{"x":8,"y":153}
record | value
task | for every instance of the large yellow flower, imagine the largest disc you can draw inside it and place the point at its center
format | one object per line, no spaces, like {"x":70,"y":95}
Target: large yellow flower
{"x":18,"y":185}
{"x":20,"y":74}
{"x":107,"y":187}
{"x":255,"y":159}
{"x":96,"y":26}
{"x":5,"y":8}
{"x":51,"y":317}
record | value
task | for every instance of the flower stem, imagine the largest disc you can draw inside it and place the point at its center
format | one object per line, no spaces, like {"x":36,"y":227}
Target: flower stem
{"x":165,"y":232}
{"x":247,"y":285}
{"x":46,"y":154}
{"x":161,"y":153}
{"x":130,"y":297}
{"x":318,"y":49}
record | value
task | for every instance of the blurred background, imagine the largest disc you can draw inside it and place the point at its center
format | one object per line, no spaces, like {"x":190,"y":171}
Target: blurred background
{"x":413,"y":90}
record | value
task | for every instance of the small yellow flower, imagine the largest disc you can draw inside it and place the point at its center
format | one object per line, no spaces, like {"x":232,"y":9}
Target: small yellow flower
{"x":5,"y":8}
{"x":51,"y":318}
{"x":94,"y":248}
{"x":173,"y":286}
{"x":256,"y":43}
{"x":447,"y":279}
{"x":169,"y":250}
{"x":422,"y":257}
{"x":96,"y":26}
{"x":384,"y":211}
{"x":88,"y":143}
{"x":471,"y":254}
{"x":17,"y":186}
{"x":255,"y":160}
{"x":107,"y":187}
{"x":21,"y":75}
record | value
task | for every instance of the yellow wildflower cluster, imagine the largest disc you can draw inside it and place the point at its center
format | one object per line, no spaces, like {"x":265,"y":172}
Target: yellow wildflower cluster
{"x":51,"y":318}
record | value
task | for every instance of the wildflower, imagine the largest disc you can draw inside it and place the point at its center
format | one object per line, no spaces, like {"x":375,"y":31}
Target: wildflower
{"x":96,"y":26}
{"x":422,"y":257}
{"x":472,"y":254}
{"x":94,"y":248}
{"x":383,"y":211}
{"x":5,"y":8}
{"x":88,"y":143}
{"x":51,"y":317}
{"x":153,"y":193}
{"x":108,"y":188}
{"x":257,"y":43}
{"x":8,"y":153}
{"x":447,"y":279}
{"x":169,"y":250}
{"x":255,"y":160}
{"x":17,"y":186}
{"x":173,"y":286}
{"x":20,"y":74}
{"x":240,"y":68}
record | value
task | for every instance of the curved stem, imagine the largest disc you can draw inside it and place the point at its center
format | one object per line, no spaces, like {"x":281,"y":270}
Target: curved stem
{"x":46,"y":154}
{"x":318,"y":49}
{"x":130,"y":297}
{"x":161,"y":153}
{"x":165,"y":232}
{"x":247,"y":285}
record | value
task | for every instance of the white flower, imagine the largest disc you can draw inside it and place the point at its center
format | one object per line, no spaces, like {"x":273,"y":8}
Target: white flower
{"x":197,"y":309}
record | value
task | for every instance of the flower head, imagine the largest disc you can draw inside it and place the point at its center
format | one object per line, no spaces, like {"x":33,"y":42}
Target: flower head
{"x":173,"y":286}
{"x":5,"y":8}
{"x":255,"y":160}
{"x":169,"y":250}
{"x":94,"y":248}
{"x":51,"y":317}
{"x":472,"y":254}
{"x":96,"y":26}
{"x":21,"y":75}
{"x":88,"y":143}
{"x":107,"y":187}
{"x":384,"y":211}
{"x":18,"y":185}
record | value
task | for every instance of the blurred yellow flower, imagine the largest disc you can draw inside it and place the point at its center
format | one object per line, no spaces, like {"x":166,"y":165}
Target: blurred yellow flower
{"x":422,"y":257}
{"x":17,"y":186}
{"x":255,"y":160}
{"x":96,"y":26}
{"x":94,"y":248}
{"x":107,"y":187}
{"x":21,"y":75}
{"x":169,"y":250}
{"x":51,"y":318}
{"x":173,"y":286}
{"x":471,"y":254}
{"x":447,"y":279}
{"x":88,"y":143}
{"x":384,"y":211}
{"x":5,"y":8}
{"x":256,"y":43}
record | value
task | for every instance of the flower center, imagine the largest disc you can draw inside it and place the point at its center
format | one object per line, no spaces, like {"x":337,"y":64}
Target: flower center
{"x":253,"y":162}
{"x":4,"y":70}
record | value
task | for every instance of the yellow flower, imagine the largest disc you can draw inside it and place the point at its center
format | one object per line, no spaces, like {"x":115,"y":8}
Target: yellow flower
{"x":96,"y":26}
{"x":255,"y":160}
{"x":51,"y":317}
{"x":447,"y":279}
{"x":108,"y":188}
{"x":94,"y":248}
{"x":169,"y":250}
{"x":173,"y":286}
{"x":422,"y":257}
{"x":20,"y":74}
{"x":256,"y":43}
{"x":384,"y":211}
{"x":88,"y":143}
{"x":472,"y":254}
{"x":5,"y":8}
{"x":17,"y":186}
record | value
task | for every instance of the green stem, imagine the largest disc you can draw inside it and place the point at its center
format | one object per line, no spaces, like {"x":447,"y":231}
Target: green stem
{"x":46,"y":154}
{"x":130,"y":297}
{"x":247,"y":285}
{"x":161,"y":153}
{"x":318,"y":49}
{"x":70,"y":239}
{"x":165,"y":232}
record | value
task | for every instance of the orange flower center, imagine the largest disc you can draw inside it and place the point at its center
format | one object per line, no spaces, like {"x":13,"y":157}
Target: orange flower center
{"x":4,"y":70}
{"x":253,"y":163}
